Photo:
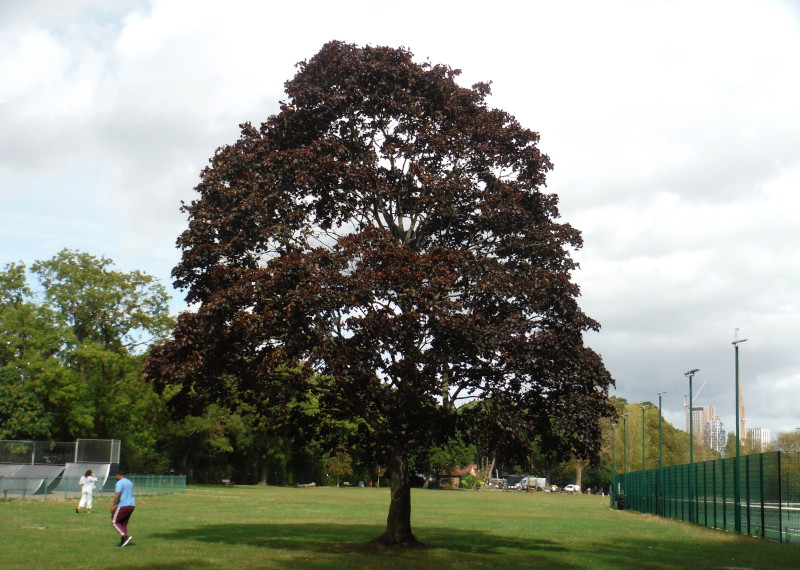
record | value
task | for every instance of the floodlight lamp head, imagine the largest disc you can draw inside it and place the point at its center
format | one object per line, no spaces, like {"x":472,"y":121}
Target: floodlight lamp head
{"x":691,"y":372}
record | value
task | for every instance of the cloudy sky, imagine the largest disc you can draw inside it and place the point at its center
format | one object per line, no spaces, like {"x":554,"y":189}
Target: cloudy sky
{"x":674,"y":127}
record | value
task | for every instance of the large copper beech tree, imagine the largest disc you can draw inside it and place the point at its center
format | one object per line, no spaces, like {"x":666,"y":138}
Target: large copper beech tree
{"x":389,"y":231}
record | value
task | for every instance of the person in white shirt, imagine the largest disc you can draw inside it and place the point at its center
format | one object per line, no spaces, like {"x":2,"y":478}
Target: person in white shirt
{"x":87,"y":483}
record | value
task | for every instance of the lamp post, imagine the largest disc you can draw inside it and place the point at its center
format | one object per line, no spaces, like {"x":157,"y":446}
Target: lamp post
{"x":690,"y":375}
{"x":660,"y":433}
{"x":660,"y":453}
{"x":613,"y":449}
{"x":644,"y":455}
{"x":737,"y":498}
{"x":625,"y":443}
{"x":624,"y":458}
{"x":613,"y":464}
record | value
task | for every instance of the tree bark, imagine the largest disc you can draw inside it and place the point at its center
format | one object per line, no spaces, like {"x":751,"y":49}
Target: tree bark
{"x":580,"y":464}
{"x":398,"y":523}
{"x":263,"y":472}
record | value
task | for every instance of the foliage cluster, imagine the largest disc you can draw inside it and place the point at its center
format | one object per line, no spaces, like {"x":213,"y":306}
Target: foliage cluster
{"x":72,"y":347}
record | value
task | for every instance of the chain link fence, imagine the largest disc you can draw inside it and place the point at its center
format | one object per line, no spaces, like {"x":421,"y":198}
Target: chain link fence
{"x":763,"y":501}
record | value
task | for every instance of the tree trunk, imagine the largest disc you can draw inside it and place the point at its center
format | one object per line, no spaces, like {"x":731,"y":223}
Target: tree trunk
{"x":492,"y":464}
{"x":398,"y":523}
{"x":263,"y":479}
{"x":579,"y":465}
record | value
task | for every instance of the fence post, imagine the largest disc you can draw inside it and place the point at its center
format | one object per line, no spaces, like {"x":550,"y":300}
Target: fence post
{"x":747,"y":490}
{"x":714,"y":489}
{"x":705,"y":493}
{"x":724,"y":499}
{"x":780,"y":504}
{"x":675,"y":470}
{"x":761,"y":490}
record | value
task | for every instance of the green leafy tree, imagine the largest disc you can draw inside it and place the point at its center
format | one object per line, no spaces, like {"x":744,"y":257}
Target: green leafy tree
{"x":105,"y":308}
{"x":31,"y":343}
{"x":788,"y":441}
{"x":730,"y":446}
{"x":339,"y":465}
{"x":71,"y":358}
{"x":449,"y":456}
{"x":390,"y":230}
{"x":112,"y":316}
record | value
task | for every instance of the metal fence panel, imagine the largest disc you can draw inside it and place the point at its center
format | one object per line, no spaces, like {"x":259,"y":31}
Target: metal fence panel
{"x":705,"y":494}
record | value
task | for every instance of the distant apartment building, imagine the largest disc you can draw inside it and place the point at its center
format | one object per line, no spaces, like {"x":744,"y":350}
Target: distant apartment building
{"x":758,"y":437}
{"x":708,"y":427}
{"x":715,"y":435}
{"x":701,"y":415}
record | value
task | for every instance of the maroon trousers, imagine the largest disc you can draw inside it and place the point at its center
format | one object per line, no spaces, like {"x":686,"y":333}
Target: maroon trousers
{"x":119,"y":519}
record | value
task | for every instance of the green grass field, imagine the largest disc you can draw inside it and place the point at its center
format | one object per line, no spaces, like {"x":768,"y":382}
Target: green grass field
{"x":272,"y":527}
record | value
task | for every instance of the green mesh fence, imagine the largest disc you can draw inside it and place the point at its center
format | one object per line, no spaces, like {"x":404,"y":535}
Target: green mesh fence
{"x":765,"y":503}
{"x":44,"y":487}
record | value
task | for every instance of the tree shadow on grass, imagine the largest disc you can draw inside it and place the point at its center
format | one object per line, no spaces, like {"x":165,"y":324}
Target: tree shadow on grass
{"x":330,"y":545}
{"x":353,"y":539}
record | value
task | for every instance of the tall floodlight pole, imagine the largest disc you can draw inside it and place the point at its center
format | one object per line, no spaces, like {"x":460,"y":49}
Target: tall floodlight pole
{"x":644,"y":455}
{"x":690,"y":375}
{"x":737,"y":494}
{"x":625,"y":443}
{"x":660,"y":433}
{"x":613,"y":464}
{"x":613,"y":449}
{"x":660,"y":453}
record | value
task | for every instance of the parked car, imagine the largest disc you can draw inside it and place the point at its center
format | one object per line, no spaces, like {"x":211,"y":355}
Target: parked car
{"x":572,"y":489}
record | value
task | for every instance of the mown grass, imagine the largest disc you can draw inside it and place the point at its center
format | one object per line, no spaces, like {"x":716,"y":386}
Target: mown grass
{"x":272,"y":527}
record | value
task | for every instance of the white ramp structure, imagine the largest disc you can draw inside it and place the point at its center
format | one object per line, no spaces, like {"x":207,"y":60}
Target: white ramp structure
{"x":30,"y":479}
{"x":8,"y":470}
{"x":70,"y":480}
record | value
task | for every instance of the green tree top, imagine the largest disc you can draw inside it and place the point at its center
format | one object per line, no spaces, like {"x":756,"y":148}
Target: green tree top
{"x":114,"y":309}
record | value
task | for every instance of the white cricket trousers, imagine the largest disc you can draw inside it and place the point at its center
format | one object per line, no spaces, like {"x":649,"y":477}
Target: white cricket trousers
{"x":86,"y":499}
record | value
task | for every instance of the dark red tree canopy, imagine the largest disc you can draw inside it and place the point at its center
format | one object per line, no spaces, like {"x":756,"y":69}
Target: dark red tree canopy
{"x":391,"y":232}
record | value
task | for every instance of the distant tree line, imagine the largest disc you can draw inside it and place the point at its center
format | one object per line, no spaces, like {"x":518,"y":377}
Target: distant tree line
{"x":75,"y":332}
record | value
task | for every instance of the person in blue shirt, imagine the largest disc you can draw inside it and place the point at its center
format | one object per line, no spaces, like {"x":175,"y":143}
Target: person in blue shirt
{"x":122,"y":507}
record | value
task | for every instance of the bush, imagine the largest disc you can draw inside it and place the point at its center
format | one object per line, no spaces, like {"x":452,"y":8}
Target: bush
{"x":468,"y":481}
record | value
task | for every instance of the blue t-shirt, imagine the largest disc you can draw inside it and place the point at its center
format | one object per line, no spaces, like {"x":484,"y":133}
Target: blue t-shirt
{"x":125,"y":488}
